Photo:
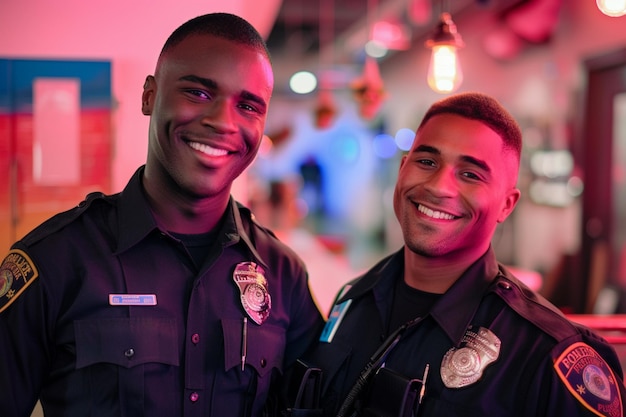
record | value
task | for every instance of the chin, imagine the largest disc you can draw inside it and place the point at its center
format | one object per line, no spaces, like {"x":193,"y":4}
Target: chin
{"x":424,"y":251}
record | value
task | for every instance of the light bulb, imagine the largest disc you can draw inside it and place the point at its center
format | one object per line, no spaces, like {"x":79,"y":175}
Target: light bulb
{"x":613,"y":8}
{"x":444,"y":71}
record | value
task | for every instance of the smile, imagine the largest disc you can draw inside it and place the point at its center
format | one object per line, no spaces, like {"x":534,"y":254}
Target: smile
{"x":206,"y":149}
{"x":434,"y":214}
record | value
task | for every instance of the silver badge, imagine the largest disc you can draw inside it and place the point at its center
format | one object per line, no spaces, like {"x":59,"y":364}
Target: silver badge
{"x":464,"y":366}
{"x":252,"y":284}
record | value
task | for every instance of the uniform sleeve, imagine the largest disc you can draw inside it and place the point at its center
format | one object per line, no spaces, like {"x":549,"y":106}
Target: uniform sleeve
{"x":307,"y":321}
{"x":580,"y":378}
{"x":304,"y":329}
{"x":23,"y":338}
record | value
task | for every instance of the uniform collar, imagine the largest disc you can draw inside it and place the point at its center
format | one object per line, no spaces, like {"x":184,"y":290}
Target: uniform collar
{"x":455,"y":309}
{"x":135,"y":219}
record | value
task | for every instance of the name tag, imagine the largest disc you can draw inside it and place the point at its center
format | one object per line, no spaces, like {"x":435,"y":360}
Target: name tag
{"x":132,"y":299}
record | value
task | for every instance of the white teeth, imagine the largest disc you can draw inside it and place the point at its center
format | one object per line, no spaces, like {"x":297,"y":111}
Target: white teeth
{"x":434,"y":214}
{"x":208,"y":150}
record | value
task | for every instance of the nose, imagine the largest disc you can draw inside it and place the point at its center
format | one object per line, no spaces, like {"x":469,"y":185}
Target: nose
{"x":442,"y":183}
{"x":220,"y":115}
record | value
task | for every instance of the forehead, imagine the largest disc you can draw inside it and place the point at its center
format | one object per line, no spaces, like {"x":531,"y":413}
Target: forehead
{"x":214,"y":57}
{"x":455,"y":135}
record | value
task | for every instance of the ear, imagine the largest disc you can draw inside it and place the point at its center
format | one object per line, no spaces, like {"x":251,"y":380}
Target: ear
{"x":402,"y":161}
{"x":147,"y":97}
{"x":510,"y":201}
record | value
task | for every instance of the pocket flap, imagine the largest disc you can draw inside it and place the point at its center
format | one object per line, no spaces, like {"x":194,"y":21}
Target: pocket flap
{"x":126,"y":342}
{"x":265,"y":345}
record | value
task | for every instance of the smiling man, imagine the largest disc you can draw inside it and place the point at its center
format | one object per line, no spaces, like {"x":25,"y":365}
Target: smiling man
{"x":440,"y":328}
{"x":166,"y":299}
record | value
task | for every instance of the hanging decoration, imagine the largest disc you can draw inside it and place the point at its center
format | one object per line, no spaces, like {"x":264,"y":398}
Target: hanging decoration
{"x":325,"y":110}
{"x":368,"y":89}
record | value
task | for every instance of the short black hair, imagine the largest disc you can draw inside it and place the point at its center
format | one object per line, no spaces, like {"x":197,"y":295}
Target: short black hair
{"x":222,"y":25}
{"x":484,"y":108}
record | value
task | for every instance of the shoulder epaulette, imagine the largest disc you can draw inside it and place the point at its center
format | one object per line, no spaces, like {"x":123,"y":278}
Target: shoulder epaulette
{"x":253,"y":220}
{"x":60,"y":220}
{"x":534,"y":308}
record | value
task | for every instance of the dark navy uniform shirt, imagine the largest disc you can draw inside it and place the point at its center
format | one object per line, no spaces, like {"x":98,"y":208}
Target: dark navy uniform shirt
{"x":69,"y":335}
{"x":493,"y":347}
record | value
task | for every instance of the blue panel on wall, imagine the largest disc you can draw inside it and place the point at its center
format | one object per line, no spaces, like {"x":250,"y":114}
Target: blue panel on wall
{"x":5,"y":87}
{"x":17,"y":75}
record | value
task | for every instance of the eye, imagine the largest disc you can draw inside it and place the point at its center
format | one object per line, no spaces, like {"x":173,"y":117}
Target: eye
{"x":426,"y":162}
{"x":471,"y":175}
{"x":249,"y":107}
{"x":199,"y":93}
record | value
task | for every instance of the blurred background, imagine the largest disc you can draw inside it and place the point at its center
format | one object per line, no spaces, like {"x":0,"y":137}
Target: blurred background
{"x":353,"y":79}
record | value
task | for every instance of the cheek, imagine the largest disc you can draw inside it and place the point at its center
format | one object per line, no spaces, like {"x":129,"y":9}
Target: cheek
{"x":182,"y":113}
{"x":485,"y":204}
{"x":397,"y":200}
{"x":252,"y":138}
{"x":496,"y":207}
{"x":168,"y":108}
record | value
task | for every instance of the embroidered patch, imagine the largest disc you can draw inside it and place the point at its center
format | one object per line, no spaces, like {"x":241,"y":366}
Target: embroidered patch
{"x":16,"y":273}
{"x":590,"y":380}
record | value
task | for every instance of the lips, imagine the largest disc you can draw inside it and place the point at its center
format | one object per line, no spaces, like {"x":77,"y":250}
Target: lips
{"x":435,"y":214}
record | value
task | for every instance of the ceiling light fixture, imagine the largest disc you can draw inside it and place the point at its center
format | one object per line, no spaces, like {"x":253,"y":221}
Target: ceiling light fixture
{"x":444,"y":71}
{"x":613,"y":8}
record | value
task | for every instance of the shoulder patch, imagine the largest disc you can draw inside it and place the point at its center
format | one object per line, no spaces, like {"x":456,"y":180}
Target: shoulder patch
{"x":17,"y":272}
{"x":590,"y":380}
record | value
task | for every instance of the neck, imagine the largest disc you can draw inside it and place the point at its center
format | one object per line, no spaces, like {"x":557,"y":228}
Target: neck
{"x":180,"y":213}
{"x":433,"y":275}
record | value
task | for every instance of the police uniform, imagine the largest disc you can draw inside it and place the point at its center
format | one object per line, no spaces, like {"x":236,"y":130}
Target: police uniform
{"x":488,"y":347}
{"x":104,"y":314}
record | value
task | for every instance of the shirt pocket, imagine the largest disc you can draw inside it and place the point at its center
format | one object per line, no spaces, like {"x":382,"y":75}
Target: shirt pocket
{"x":126,"y":342}
{"x":265,"y":346}
{"x":333,"y":358}
{"x":114,"y":358}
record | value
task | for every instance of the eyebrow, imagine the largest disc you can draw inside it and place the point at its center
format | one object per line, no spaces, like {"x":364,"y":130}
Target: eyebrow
{"x":465,"y":158}
{"x":212,"y":85}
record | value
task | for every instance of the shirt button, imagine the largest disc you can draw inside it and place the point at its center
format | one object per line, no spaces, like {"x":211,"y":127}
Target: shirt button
{"x":504,"y":285}
{"x":195,"y":338}
{"x":193,"y":397}
{"x":129,"y":353}
{"x":263,"y":363}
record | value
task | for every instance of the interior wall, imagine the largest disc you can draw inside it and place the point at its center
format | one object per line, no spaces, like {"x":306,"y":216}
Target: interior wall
{"x":128,"y":33}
